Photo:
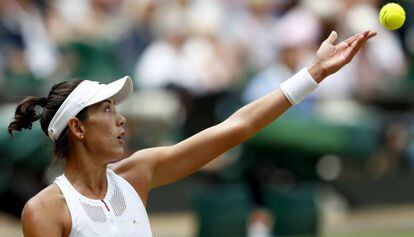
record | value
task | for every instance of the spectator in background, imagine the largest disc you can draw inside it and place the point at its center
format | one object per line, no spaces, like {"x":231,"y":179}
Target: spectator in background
{"x":192,"y":57}
{"x":253,"y":31}
{"x":189,"y":52}
{"x":293,"y":52}
{"x":92,"y":34}
{"x":88,"y":21}
{"x":166,"y":52}
{"x":374,"y":72}
{"x":382,"y":64}
{"x":132,"y":44}
{"x":28,"y":54}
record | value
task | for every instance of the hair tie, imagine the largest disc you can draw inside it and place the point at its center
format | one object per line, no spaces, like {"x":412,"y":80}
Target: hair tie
{"x":42,"y":101}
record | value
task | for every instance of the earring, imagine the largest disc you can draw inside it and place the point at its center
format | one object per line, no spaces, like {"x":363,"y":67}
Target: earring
{"x":81,"y":136}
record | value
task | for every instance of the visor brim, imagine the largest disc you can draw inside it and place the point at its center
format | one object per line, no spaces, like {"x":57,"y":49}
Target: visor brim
{"x":119,"y":90}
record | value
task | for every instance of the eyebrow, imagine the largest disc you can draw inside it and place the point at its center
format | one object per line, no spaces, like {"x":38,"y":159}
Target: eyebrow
{"x":108,"y":101}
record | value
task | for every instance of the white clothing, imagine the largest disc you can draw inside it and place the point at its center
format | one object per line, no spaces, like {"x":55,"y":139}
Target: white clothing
{"x":120,"y":213}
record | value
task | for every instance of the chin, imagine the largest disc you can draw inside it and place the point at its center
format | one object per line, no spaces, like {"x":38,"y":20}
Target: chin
{"x":118,"y":156}
{"x":116,"y":160}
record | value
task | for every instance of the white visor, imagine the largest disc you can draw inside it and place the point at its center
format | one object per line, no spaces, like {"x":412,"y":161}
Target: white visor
{"x":85,"y":94}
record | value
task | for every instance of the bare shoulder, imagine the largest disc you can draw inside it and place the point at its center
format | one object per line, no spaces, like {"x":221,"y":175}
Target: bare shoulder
{"x":138,"y":168}
{"x":46,"y":212}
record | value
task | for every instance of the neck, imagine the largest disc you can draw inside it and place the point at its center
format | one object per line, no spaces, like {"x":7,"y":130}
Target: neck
{"x":86,"y":175}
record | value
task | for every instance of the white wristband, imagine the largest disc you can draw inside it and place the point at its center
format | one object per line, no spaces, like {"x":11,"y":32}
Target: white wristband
{"x":298,"y":86}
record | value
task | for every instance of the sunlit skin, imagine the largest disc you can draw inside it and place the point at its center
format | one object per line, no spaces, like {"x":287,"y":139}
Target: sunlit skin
{"x":95,"y":144}
{"x":101,"y":132}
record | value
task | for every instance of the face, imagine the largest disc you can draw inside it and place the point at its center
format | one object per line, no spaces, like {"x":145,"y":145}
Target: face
{"x":104,"y":131}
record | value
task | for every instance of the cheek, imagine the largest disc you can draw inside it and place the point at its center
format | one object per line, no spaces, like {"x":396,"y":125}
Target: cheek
{"x":103,"y":138}
{"x":99,"y":137}
{"x":106,"y":146}
{"x":99,"y":128}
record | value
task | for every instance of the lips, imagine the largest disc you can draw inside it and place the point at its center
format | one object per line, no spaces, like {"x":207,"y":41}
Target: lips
{"x":120,"y":137}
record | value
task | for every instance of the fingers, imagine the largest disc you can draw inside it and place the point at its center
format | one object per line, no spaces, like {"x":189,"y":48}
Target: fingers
{"x":332,"y":38}
{"x":364,"y":37}
{"x":371,"y":34}
{"x":366,"y":34}
{"x":358,"y":42}
{"x":352,"y":39}
{"x":355,"y":42}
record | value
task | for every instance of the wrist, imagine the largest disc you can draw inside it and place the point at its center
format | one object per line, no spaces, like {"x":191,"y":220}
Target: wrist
{"x":316,"y":71}
{"x":297,"y":87}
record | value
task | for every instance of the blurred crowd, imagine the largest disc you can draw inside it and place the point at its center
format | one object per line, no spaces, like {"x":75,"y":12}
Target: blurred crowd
{"x":203,"y":47}
{"x":198,"y":50}
{"x":194,"y":61}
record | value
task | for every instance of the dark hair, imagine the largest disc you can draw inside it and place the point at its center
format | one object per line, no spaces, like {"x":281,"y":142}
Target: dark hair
{"x":26,"y":114}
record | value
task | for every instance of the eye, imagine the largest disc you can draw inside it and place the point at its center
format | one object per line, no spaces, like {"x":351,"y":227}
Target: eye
{"x":108,"y":109}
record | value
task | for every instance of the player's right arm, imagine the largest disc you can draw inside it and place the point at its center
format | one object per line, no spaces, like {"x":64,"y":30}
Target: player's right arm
{"x":154,"y":167}
{"x":44,"y":215}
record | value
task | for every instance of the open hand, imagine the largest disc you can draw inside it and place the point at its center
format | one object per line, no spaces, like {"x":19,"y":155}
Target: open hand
{"x":330,"y":58}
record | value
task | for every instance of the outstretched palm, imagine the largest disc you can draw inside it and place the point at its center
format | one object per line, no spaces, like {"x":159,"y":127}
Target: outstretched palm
{"x":333,"y":57}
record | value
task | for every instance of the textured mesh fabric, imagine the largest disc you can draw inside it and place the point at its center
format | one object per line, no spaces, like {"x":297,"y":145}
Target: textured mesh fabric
{"x":96,"y":213}
{"x":116,"y":204}
{"x":120,"y":213}
{"x":117,"y":201}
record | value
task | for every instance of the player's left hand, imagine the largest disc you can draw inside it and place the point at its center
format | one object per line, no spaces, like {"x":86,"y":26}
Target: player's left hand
{"x":330,"y":57}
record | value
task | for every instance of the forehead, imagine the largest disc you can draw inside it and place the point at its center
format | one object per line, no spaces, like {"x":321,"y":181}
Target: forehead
{"x":109,"y":101}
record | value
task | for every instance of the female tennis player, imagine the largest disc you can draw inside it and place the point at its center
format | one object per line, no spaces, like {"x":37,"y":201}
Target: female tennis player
{"x":90,"y":199}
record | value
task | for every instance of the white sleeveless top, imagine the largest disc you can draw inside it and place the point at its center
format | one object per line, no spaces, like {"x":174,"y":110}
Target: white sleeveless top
{"x":120,"y":213}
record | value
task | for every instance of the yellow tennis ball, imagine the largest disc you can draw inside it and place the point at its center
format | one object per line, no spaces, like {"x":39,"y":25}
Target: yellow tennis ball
{"x":392,"y":16}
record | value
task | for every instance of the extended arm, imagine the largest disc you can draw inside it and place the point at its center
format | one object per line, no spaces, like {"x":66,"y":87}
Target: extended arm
{"x":164,"y":165}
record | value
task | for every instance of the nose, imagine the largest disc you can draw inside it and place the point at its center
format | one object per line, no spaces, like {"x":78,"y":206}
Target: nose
{"x":121,"y":120}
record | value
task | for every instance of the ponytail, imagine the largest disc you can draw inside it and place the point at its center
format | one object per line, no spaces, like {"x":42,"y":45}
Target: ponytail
{"x":26,"y":114}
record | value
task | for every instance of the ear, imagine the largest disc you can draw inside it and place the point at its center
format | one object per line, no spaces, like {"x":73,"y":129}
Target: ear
{"x":76,"y":128}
